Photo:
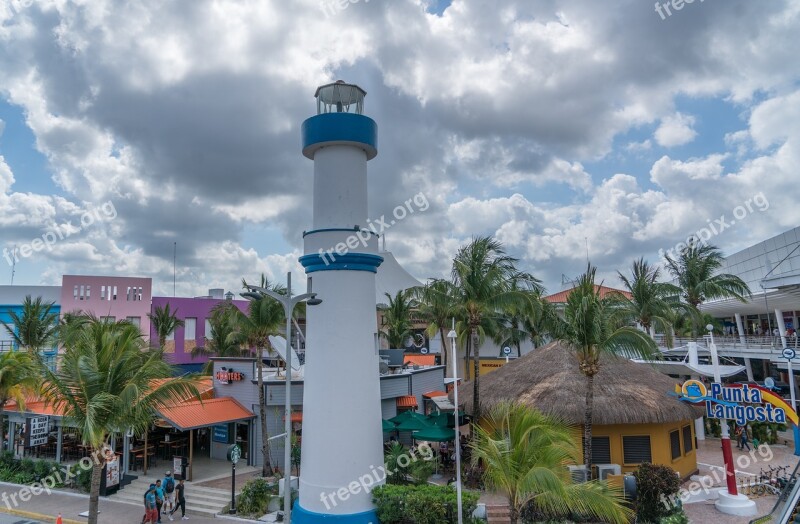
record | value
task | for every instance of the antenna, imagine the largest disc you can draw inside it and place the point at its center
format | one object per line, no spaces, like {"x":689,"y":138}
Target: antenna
{"x":174,"y":271}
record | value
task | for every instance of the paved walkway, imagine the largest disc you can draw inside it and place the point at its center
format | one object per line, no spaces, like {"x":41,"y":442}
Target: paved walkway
{"x":46,"y":507}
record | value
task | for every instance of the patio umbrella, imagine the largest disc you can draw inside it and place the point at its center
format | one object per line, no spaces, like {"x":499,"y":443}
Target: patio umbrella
{"x":446,"y":419}
{"x":405,"y":415}
{"x":388,"y":426}
{"x":413,"y":424}
{"x":435,"y":434}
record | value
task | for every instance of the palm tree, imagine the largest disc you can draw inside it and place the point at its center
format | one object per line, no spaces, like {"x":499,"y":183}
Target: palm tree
{"x":528,"y":321}
{"x":695,"y":271}
{"x":165,"y":322}
{"x":264,"y":317}
{"x":107,"y":382}
{"x":486,"y":282}
{"x":435,"y":306}
{"x":396,"y":322}
{"x":591,"y":328}
{"x":224,"y":340}
{"x":650,"y":302}
{"x":35,"y":327}
{"x":524,"y":453}
{"x":19,"y":377}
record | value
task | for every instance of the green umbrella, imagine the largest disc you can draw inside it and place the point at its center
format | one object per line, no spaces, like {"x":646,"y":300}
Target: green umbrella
{"x":435,"y":434}
{"x":446,"y":419}
{"x":406,"y":415}
{"x":413,"y":424}
{"x":388,"y":426}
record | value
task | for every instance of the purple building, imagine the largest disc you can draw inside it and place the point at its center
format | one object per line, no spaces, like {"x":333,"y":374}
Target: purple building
{"x":196,"y":314}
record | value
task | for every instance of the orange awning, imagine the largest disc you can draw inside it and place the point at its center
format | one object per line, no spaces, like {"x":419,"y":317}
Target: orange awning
{"x":193,"y":415}
{"x":420,"y":360}
{"x":407,"y":401}
{"x":297,"y":416}
{"x":431,"y":394}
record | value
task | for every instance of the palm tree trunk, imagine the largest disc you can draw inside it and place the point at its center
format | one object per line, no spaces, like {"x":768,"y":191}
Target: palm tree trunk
{"x":513,"y":514}
{"x":266,"y":466}
{"x":467,"y":353}
{"x":587,"y":425}
{"x":445,"y":358}
{"x":94,"y":491}
{"x":476,"y":368}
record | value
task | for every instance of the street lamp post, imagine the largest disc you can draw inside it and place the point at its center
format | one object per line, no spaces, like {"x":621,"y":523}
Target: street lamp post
{"x":452,"y":336}
{"x":727,"y":453}
{"x":288,"y":302}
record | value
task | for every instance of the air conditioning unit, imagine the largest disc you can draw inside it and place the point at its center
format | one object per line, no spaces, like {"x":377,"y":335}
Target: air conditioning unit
{"x":604,"y":470}
{"x":579,"y":474}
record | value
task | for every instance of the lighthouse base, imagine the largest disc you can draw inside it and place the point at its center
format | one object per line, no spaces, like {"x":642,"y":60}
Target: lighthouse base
{"x":738,"y":505}
{"x":303,"y":516}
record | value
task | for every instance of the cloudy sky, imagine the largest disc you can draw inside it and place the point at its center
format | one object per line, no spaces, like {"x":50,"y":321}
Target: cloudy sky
{"x":552,"y":124}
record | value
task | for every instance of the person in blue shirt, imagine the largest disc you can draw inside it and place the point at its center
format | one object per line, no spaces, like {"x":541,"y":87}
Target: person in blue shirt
{"x":168,"y":485}
{"x":150,"y":506}
{"x":159,"y":498}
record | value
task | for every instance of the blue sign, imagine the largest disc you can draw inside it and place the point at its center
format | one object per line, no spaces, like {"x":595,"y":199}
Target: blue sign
{"x":220,"y":433}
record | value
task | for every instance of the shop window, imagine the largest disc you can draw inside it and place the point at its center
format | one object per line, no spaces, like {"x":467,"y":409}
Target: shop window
{"x":636,"y":449}
{"x":675,"y":444}
{"x":601,"y":450}
{"x":688,"y":441}
{"x":190,"y":329}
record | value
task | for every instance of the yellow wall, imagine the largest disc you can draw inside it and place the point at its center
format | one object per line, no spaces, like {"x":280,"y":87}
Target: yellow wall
{"x":685,"y":465}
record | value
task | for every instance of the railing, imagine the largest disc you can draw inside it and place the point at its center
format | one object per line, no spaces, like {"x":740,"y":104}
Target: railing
{"x":733,"y":342}
{"x":6,"y":345}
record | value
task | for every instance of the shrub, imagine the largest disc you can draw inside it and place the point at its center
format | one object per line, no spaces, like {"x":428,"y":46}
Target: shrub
{"x":679,"y":517}
{"x":654,"y":484}
{"x":255,"y":497}
{"x":82,"y":478}
{"x":424,"y":504}
{"x":420,"y":471}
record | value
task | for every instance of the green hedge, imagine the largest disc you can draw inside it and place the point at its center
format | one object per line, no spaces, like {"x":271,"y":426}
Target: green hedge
{"x":424,"y":504}
{"x":27,"y":470}
{"x":255,"y":497}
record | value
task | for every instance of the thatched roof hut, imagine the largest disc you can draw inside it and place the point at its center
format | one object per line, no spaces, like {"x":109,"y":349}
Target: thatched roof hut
{"x":549,"y":380}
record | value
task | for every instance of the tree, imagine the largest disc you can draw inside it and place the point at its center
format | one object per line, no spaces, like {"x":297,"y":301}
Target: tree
{"x":34,"y":328}
{"x":396,"y":322}
{"x":264,"y":317}
{"x":696,"y":271}
{"x":106,"y":382}
{"x":650,"y":302}
{"x":435,"y":306}
{"x":486,"y":282}
{"x":18,"y":378}
{"x":224,"y":340}
{"x":526,"y":321}
{"x":591,"y":329}
{"x":165,"y":322}
{"x":524,"y":453}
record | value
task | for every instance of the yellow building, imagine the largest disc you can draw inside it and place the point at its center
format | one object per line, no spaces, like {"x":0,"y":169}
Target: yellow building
{"x":635,"y":419}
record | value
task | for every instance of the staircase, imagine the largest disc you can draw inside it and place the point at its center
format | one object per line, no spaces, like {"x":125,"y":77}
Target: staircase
{"x":200,"y":500}
{"x":498,"y":514}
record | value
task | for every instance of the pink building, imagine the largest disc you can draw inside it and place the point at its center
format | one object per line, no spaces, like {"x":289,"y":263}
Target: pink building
{"x":114,"y":298}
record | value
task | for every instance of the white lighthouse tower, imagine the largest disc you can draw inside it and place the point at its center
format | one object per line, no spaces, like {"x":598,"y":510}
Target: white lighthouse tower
{"x":342,"y":435}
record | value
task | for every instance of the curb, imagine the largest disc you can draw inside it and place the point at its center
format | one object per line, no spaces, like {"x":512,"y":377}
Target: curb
{"x":37,"y":516}
{"x":235,"y":519}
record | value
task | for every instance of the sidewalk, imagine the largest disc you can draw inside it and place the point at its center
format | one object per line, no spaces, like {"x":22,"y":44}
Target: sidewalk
{"x":70,"y":505}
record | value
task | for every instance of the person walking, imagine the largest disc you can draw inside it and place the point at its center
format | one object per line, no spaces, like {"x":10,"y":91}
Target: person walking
{"x":745,"y":438}
{"x":150,"y":506}
{"x":180,"y":492}
{"x":168,"y":485}
{"x":159,"y":498}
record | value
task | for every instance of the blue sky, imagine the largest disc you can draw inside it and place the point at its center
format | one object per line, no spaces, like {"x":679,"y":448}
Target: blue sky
{"x":544,"y":124}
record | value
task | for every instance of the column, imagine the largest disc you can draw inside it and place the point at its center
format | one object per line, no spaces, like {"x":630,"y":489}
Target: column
{"x":749,"y":368}
{"x":59,"y":441}
{"x":700,"y":428}
{"x":740,"y":329}
{"x":781,"y":326}
{"x":12,"y":437}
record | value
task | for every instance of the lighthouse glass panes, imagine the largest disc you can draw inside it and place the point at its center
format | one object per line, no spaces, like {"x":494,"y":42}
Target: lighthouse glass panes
{"x":340,"y":98}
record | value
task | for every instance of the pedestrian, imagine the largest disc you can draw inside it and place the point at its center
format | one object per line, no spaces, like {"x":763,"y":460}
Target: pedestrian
{"x":159,"y":498}
{"x":180,"y":491}
{"x":168,"y":484}
{"x":738,"y":435}
{"x":150,"y":507}
{"x":745,"y":439}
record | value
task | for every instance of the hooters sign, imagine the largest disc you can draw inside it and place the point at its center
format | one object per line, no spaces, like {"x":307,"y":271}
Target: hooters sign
{"x":225,"y":376}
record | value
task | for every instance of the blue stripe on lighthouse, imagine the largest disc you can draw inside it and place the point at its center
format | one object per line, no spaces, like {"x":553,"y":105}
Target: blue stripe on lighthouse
{"x":346,"y":262}
{"x":352,"y":128}
{"x":301,"y":515}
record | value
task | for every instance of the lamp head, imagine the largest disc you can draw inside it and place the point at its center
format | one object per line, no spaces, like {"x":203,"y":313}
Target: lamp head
{"x":709,"y":327}
{"x":452,"y":334}
{"x":314,"y":301}
{"x":249,"y":295}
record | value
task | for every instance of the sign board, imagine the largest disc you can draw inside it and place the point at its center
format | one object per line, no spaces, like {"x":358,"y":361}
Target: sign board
{"x":424,"y":351}
{"x":506,"y":351}
{"x":769,"y":382}
{"x":234,"y":453}
{"x":219,"y":433}
{"x":226,"y":376}
{"x":37,"y":431}
{"x":742,"y":402}
{"x":177,"y":464}
{"x":112,"y":473}
{"x":789,"y":353}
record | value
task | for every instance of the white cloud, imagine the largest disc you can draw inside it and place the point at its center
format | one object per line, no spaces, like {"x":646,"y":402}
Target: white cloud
{"x":675,"y":130}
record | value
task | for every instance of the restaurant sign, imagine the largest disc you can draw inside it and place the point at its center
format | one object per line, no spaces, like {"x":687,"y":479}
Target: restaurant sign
{"x":740,"y":402}
{"x":37,"y":430}
{"x":226,"y":376}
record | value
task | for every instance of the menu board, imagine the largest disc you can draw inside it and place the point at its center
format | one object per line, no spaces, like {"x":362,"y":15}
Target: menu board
{"x":112,"y":473}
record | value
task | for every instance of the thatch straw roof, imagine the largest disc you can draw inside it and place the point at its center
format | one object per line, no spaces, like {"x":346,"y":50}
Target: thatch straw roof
{"x":549,"y":380}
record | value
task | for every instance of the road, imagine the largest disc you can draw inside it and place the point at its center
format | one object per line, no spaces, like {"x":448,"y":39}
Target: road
{"x":11,"y":519}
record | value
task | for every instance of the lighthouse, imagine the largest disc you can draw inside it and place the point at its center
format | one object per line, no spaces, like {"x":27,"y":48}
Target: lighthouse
{"x":342,"y":444}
